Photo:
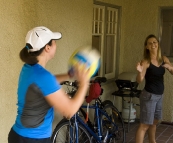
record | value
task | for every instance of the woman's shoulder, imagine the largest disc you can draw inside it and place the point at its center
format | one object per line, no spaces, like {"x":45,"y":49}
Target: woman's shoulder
{"x":165,"y":59}
{"x":145,"y":63}
{"x":42,"y":75}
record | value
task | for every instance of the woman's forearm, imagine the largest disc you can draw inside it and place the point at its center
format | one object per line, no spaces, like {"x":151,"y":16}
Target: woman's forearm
{"x":62,"y":77}
{"x":139,"y":77}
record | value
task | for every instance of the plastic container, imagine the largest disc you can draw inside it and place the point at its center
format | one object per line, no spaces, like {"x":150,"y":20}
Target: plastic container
{"x":126,"y":104}
{"x":125,"y":114}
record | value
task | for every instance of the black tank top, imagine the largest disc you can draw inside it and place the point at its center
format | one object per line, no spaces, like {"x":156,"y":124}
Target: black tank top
{"x":154,"y":79}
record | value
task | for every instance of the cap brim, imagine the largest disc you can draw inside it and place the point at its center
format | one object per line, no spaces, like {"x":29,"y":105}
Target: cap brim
{"x":56,"y":35}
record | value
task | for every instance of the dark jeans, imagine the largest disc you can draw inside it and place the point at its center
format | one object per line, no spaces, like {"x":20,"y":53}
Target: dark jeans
{"x":13,"y":137}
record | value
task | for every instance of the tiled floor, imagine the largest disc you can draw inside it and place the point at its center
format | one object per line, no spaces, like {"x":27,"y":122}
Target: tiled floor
{"x":164,"y":133}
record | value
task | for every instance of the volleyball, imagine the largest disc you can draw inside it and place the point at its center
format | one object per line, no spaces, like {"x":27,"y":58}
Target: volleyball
{"x":86,"y":55}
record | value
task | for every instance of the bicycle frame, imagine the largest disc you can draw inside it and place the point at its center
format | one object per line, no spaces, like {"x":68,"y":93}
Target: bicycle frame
{"x":98,"y":111}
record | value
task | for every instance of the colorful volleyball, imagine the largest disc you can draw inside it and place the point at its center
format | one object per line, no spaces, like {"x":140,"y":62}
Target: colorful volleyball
{"x":87,"y":55}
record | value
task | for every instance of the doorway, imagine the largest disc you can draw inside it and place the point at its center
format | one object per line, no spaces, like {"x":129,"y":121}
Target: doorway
{"x":166,"y":31}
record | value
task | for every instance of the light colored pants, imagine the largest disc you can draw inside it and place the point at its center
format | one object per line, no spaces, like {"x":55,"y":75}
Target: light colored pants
{"x":150,"y":107}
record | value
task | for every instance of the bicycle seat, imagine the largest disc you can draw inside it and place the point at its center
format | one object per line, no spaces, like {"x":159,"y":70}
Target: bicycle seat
{"x":100,"y":79}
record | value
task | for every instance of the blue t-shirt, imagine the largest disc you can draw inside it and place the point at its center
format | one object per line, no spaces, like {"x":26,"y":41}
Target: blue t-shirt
{"x":35,"y":115}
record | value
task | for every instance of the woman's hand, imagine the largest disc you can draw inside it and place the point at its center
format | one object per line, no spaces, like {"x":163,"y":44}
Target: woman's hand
{"x":139,"y":67}
{"x":168,"y":67}
{"x":167,"y":64}
{"x":81,"y":73}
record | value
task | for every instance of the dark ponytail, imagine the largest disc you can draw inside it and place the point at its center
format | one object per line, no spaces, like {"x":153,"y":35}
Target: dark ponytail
{"x":31,"y":57}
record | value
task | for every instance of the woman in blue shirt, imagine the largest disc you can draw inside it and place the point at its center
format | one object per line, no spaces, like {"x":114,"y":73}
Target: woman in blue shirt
{"x":39,"y":91}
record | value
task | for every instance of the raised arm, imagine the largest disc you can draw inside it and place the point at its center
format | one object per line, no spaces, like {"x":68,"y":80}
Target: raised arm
{"x":62,"y":77}
{"x":141,"y":67}
{"x":167,"y":64}
{"x":69,"y":106}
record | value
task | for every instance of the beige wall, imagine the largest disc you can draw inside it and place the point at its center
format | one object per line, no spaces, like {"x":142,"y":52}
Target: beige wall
{"x":74,"y":20}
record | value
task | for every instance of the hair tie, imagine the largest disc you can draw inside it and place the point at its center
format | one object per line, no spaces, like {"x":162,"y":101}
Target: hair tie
{"x":27,"y":47}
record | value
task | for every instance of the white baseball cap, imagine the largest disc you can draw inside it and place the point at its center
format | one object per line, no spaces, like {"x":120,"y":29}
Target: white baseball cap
{"x":38,"y":37}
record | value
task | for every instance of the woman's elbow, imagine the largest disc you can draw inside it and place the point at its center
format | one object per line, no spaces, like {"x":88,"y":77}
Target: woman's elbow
{"x":139,"y":80}
{"x":68,"y":114}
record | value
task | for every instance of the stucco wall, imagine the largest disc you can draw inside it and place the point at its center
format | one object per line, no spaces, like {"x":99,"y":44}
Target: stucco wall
{"x":74,"y":20}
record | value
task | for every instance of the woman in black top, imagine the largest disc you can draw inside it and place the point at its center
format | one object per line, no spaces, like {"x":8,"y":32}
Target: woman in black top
{"x":152,"y":68}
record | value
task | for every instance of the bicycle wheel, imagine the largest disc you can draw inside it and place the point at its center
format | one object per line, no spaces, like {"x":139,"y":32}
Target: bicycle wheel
{"x":114,"y":126}
{"x":64,"y":132}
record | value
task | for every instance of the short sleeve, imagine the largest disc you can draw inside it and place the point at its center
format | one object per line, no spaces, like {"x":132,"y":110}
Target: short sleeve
{"x":48,"y":83}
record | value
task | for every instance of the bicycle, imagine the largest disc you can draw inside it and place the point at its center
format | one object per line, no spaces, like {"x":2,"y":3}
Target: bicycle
{"x":108,"y":125}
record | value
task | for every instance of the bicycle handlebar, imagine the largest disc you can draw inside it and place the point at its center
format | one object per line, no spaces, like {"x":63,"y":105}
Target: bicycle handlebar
{"x":99,"y":80}
{"x":75,"y":83}
{"x":69,"y":83}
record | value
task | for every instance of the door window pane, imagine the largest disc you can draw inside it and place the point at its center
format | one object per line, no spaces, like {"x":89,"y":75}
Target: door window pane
{"x":166,"y":35}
